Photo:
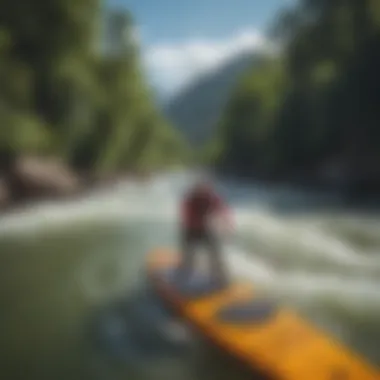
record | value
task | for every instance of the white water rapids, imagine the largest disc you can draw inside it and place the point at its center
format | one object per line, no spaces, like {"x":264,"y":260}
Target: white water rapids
{"x":78,"y":254}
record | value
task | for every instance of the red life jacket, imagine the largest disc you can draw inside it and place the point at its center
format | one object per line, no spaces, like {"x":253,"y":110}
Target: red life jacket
{"x":198,"y":207}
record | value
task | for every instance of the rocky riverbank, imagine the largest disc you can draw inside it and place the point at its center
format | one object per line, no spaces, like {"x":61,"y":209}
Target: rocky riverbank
{"x":28,"y":179}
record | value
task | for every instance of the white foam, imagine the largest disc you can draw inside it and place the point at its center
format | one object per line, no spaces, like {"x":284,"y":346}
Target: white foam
{"x":299,"y":241}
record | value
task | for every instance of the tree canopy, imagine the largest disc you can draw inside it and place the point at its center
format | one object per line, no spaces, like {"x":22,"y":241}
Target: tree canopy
{"x":71,"y":85}
{"x":314,"y":102}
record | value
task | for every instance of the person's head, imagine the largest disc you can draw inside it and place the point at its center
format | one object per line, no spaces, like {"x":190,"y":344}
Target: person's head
{"x":203,"y":184}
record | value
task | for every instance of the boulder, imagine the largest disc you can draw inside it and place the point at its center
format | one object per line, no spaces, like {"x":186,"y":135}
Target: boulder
{"x":34,"y":177}
{"x":5,"y":195}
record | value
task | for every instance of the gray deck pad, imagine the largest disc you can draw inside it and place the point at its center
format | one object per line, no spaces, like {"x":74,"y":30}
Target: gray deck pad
{"x":251,"y":311}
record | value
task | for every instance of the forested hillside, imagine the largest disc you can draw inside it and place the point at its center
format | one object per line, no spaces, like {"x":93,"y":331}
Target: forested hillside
{"x":196,"y":110}
{"x":313,"y":112}
{"x":71,"y":87}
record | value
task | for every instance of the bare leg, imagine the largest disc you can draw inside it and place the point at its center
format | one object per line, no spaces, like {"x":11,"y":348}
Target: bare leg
{"x":186,"y":264}
{"x":218,"y":268}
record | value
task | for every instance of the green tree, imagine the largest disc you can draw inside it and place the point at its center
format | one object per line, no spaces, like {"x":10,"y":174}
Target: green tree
{"x":71,"y":84}
{"x":324,"y":105}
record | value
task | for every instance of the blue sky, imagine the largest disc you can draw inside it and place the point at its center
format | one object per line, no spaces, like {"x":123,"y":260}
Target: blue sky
{"x":180,"y":40}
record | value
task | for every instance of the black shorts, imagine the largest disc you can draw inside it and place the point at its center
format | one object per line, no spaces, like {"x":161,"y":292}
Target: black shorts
{"x":191,"y":239}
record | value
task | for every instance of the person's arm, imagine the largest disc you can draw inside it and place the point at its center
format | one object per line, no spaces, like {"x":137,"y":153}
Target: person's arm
{"x":223,"y":209}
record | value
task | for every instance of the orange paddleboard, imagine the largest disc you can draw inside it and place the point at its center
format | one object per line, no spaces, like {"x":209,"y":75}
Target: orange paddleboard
{"x":266,"y":337}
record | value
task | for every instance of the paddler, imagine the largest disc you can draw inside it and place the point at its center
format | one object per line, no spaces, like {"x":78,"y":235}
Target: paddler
{"x":200,"y":208}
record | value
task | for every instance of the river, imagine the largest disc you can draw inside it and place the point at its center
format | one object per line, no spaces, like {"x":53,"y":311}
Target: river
{"x":62,"y":264}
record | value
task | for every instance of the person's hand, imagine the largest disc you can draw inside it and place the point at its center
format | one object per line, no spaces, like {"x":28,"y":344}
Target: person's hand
{"x":224,"y":225}
{"x":228,"y":227}
{"x":221,"y":225}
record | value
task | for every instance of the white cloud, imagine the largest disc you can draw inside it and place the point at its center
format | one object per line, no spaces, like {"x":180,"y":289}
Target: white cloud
{"x":173,"y":65}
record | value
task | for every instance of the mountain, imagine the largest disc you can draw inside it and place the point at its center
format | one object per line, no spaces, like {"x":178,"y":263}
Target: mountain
{"x":196,"y":109}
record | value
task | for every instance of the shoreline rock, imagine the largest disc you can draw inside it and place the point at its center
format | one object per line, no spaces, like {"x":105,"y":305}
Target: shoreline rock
{"x":5,"y":195}
{"x":26,"y":180}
